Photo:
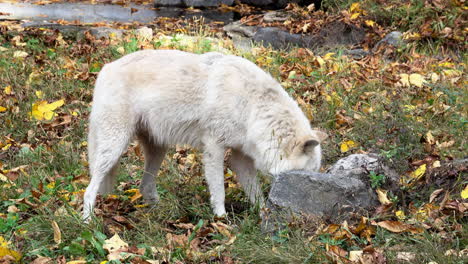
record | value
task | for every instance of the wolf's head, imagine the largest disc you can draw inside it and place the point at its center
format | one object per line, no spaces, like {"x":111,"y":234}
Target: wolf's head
{"x":303,"y":153}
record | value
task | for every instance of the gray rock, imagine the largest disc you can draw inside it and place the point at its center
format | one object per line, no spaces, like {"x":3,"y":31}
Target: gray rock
{"x":106,"y":32}
{"x":360,"y":165}
{"x":236,"y":28}
{"x":269,"y":3}
{"x":275,"y":16}
{"x":357,"y":53}
{"x":194,"y":3}
{"x":343,"y":189}
{"x":277,"y":38}
{"x":321,"y":194}
{"x":393,"y":38}
{"x":332,"y":35}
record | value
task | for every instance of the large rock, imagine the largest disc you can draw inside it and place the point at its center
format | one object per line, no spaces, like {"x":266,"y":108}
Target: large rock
{"x":279,"y":3}
{"x":343,"y":189}
{"x":194,"y":3}
{"x":332,"y":35}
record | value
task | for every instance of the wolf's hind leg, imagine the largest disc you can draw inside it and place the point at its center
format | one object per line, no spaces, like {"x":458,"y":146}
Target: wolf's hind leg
{"x":110,"y":138}
{"x":154,"y":155}
{"x":213,"y":161}
{"x":246,"y":173}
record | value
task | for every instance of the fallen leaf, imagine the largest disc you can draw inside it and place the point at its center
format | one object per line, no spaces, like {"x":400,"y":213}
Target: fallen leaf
{"x":434,"y":194}
{"x":400,"y":215}
{"x":42,"y":110}
{"x":398,"y":227}
{"x":419,"y":172}
{"x":369,"y":23}
{"x":5,"y":251}
{"x":7,"y":90}
{"x":406,"y":256}
{"x":382,"y":195}
{"x":404,"y":80}
{"x":57,"y":233}
{"x":355,"y":255}
{"x":464,"y":193}
{"x":347,"y":145}
{"x":20,"y":54}
{"x":115,"y":245}
{"x":416,"y":80}
{"x":42,"y":260}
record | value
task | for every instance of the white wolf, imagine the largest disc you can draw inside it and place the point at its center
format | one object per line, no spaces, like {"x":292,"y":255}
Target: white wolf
{"x":210,"y":101}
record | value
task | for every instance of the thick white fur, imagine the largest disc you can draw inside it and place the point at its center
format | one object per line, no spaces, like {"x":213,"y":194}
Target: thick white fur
{"x":210,"y":101}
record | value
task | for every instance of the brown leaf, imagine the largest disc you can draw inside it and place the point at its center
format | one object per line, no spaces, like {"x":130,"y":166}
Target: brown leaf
{"x":434,"y":194}
{"x":42,"y":260}
{"x":398,"y":227}
{"x":57,"y":233}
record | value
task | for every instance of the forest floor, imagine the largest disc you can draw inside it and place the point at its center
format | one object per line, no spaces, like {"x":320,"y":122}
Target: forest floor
{"x":405,"y":103}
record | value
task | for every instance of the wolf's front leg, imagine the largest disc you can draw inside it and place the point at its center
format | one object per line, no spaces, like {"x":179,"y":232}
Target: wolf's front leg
{"x":246,"y":172}
{"x":213,"y":159}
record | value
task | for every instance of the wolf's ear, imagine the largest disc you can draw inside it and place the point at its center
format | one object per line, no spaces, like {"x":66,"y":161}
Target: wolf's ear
{"x":309,"y":145}
{"x":321,"y":136}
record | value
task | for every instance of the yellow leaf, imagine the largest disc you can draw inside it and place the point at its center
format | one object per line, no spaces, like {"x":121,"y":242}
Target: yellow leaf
{"x":370,"y":23}
{"x":136,"y":194}
{"x":450,"y":73}
{"x":347,"y":145}
{"x":48,"y":115}
{"x":419,"y":172}
{"x":320,"y":61}
{"x":412,"y":36}
{"x":354,"y":7}
{"x":41,"y":110}
{"x":382,"y":195}
{"x":416,"y":79}
{"x":3,"y":242}
{"x":57,"y":232}
{"x":328,"y":56}
{"x":292,"y":75}
{"x":56,"y":104}
{"x":464,"y":193}
{"x":39,"y":94}
{"x":404,"y":79}
{"x":20,"y":54}
{"x":5,"y":251}
{"x":355,"y":15}
{"x":7,"y":90}
{"x":2,"y":109}
{"x":400,"y":215}
{"x":120,"y":50}
{"x":77,"y":262}
{"x":434,"y":77}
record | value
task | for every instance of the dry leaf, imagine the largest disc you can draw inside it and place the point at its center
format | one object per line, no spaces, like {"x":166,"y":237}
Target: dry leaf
{"x":398,"y":227}
{"x":57,"y":233}
{"x":347,"y":145}
{"x":382,"y":195}
{"x":115,"y":245}
{"x":464,"y":193}
{"x":434,"y":194}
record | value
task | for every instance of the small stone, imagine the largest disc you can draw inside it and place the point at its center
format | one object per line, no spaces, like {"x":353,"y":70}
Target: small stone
{"x":394,"y":38}
{"x":144,"y":33}
{"x":106,"y":32}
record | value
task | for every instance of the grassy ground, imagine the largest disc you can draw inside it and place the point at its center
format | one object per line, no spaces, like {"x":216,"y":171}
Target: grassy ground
{"x":408,"y":105}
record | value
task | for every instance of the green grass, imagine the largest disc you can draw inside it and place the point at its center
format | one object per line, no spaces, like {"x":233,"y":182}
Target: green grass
{"x":50,"y":187}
